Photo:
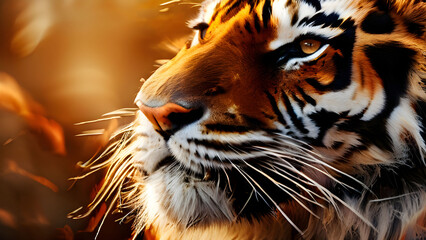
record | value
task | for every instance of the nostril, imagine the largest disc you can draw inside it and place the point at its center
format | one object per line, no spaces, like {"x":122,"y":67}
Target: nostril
{"x":180,"y":119}
{"x":170,"y":117}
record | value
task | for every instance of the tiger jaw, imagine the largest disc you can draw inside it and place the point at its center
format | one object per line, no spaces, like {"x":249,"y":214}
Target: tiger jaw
{"x":172,"y":183}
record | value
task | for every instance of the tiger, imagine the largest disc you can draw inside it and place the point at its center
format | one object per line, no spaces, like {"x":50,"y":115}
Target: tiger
{"x":281,"y":119}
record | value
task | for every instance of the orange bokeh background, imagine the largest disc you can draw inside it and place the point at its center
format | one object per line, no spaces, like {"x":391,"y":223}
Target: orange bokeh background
{"x":64,"y":62}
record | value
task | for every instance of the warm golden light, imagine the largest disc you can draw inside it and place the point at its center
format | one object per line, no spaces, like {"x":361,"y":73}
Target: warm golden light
{"x":62,"y":63}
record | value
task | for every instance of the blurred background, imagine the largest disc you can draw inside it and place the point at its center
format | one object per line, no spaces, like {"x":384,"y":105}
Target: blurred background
{"x":63,"y":62}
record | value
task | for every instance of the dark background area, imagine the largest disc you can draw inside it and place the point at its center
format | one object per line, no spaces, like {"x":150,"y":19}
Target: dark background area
{"x":64,"y":62}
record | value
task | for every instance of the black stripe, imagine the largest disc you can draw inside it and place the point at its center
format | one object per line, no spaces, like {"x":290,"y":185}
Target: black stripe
{"x":378,"y":23}
{"x":417,"y":29}
{"x":307,"y":98}
{"x":295,"y":18}
{"x":257,"y":22}
{"x":336,"y":145}
{"x":268,"y":116}
{"x":217,"y":9}
{"x":322,"y":19}
{"x":324,"y":120}
{"x":276,"y":109}
{"x":251,"y":121}
{"x":266,"y":13}
{"x":296,"y":121}
{"x":232,"y":10}
{"x":230,"y":115}
{"x":299,"y":102}
{"x":316,"y":84}
{"x":371,"y":132}
{"x":392,"y":61}
{"x":347,"y":23}
{"x":232,"y":5}
{"x":247,"y":26}
{"x":331,"y":20}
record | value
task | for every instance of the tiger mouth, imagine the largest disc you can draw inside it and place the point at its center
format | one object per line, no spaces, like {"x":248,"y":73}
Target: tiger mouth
{"x":206,"y":174}
{"x":247,"y":201}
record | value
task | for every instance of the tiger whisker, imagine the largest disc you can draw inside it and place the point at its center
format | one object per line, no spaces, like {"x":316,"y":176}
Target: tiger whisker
{"x":296,"y":158}
{"x":169,"y":2}
{"x":125,"y":130}
{"x":94,"y":132}
{"x":309,"y":192}
{"x":120,"y":167}
{"x":288,"y":155}
{"x":248,"y":181}
{"x":121,"y":220}
{"x":332,"y":196}
{"x":114,"y":147}
{"x":284,"y":188}
{"x":321,"y":188}
{"x":245,"y":204}
{"x":190,"y":3}
{"x":121,"y":111}
{"x":105,"y":215}
{"x":276,"y":205}
{"x":96,"y":120}
{"x":227,"y":178}
{"x":130,"y":197}
{"x":267,"y":195}
{"x":281,"y":186}
{"x":105,"y":193}
{"x":318,"y":159}
{"x":393,"y":197}
{"x":84,"y":175}
{"x":297,"y":177}
{"x":283,"y":163}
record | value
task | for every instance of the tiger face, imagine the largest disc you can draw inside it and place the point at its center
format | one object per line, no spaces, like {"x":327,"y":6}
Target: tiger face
{"x":282,"y":116}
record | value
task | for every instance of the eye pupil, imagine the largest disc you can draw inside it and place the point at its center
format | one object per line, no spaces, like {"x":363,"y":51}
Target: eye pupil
{"x":309,"y":46}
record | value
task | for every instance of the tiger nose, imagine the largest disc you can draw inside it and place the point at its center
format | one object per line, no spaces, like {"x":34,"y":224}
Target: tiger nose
{"x":170,"y":117}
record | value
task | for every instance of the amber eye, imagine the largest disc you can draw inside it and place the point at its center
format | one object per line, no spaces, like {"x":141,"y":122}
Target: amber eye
{"x":310,"y":46}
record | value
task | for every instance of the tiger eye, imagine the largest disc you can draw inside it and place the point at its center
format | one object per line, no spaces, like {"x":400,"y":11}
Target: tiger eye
{"x":310,"y":46}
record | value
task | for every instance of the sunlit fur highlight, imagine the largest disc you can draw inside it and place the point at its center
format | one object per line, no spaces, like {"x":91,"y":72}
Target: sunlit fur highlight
{"x":339,"y":197}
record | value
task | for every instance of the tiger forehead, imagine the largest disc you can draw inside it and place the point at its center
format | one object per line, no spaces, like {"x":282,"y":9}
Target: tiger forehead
{"x":286,"y":19}
{"x":225,"y":10}
{"x":217,"y":11}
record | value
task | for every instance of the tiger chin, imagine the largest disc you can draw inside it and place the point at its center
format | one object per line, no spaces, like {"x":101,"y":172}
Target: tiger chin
{"x":281,"y":119}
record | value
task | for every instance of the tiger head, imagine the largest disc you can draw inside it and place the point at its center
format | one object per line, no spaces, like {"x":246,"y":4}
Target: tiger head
{"x":281,"y":116}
